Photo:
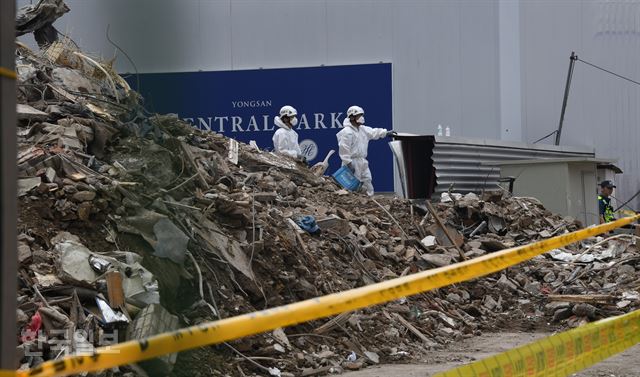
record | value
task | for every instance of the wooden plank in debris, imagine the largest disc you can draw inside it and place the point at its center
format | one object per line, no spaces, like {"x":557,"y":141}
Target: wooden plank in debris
{"x":583,"y":298}
{"x":115,"y":290}
{"x":191,"y":159}
{"x":445,"y":230}
{"x":413,"y":329}
{"x":334,"y":322}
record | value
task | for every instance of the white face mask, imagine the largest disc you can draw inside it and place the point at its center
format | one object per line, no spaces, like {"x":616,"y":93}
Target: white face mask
{"x":294,"y":121}
{"x":360,"y":120}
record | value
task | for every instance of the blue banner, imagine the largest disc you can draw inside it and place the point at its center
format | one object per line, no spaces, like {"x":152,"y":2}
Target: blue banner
{"x":242,"y":104}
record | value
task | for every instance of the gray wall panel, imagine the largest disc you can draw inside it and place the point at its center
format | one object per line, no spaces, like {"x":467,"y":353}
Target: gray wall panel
{"x":278,"y":33}
{"x":215,"y":35}
{"x":480,"y":92}
{"x":359,"y":31}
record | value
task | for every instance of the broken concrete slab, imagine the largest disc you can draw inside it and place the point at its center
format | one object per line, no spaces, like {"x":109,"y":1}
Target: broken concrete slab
{"x":438,"y":260}
{"x":225,"y":247}
{"x":335,"y":224}
{"x":374,"y":357}
{"x":50,"y":175}
{"x":533,"y":287}
{"x":153,"y":320}
{"x":551,"y":307}
{"x":27,"y":184}
{"x":74,"y":263}
{"x":584,"y":310}
{"x":429,"y":241}
{"x":492,"y":245}
{"x":24,"y":252}
{"x":83,"y":196}
{"x":265,"y":197}
{"x":562,"y":314}
{"x":26,"y":112}
{"x":171,"y":241}
{"x":490,"y":303}
{"x":506,"y":283}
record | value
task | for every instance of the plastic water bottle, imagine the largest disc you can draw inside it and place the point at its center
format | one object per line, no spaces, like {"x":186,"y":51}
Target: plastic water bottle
{"x":447,"y":131}
{"x":439,"y":130}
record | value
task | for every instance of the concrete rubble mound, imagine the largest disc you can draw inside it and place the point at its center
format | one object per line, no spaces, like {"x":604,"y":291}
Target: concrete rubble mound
{"x":132,"y":223}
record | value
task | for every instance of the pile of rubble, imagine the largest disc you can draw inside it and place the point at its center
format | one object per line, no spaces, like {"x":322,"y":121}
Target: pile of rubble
{"x":131,"y":224}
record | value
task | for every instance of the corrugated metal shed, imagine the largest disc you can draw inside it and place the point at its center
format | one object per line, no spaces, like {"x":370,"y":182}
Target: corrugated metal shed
{"x":461,"y":162}
{"x":433,"y":164}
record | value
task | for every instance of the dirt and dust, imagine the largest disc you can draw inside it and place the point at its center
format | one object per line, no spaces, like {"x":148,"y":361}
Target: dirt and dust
{"x":625,"y":364}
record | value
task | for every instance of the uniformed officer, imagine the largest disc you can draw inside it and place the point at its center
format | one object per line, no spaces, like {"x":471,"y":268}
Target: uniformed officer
{"x":604,"y":201}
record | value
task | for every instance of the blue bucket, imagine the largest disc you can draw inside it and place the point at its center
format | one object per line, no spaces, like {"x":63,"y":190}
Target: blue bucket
{"x":344,"y":176}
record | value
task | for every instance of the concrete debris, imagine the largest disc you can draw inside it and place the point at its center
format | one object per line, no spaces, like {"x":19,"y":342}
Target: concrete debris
{"x":429,"y":241}
{"x":74,"y":264}
{"x":446,"y":197}
{"x":171,"y":242}
{"x":38,"y":19}
{"x":437,"y":260}
{"x":26,"y":112}
{"x":209,"y":228}
{"x":507,"y":284}
{"x":153,"y":320}
{"x":24,"y":252}
{"x":25,"y":185}
{"x":374,"y":357}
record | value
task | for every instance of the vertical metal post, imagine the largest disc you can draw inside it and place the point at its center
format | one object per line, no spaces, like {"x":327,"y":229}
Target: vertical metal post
{"x":510,"y":180}
{"x":572,"y":63}
{"x":8,"y":254}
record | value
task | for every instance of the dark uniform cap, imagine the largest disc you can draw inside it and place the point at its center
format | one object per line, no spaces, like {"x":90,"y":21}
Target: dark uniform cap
{"x":608,"y":184}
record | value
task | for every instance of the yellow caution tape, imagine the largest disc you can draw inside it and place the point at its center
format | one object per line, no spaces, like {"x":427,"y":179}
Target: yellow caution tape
{"x":325,"y":306}
{"x":12,"y":75}
{"x":561,"y":354}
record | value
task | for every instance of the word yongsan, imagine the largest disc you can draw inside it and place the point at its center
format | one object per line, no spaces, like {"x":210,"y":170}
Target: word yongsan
{"x":223,"y":124}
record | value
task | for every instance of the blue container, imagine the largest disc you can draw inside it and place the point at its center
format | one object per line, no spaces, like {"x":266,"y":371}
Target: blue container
{"x":344,"y":176}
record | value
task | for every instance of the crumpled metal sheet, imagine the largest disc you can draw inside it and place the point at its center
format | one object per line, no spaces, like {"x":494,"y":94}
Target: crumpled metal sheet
{"x":167,"y":240}
{"x":225,"y":247}
{"x":171,"y":241}
{"x":140,"y":286}
{"x":38,"y":18}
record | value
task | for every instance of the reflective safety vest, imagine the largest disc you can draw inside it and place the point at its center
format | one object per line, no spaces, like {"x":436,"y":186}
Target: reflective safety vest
{"x":608,"y":210}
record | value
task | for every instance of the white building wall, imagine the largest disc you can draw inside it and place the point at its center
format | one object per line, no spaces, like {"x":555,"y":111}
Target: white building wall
{"x":602,"y":111}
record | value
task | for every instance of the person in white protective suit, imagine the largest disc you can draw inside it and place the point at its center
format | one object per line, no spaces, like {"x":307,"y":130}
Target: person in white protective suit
{"x":353,"y":143}
{"x":285,"y":139}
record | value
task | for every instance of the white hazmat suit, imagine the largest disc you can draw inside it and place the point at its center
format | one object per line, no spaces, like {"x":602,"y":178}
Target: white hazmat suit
{"x":285,"y":140}
{"x":353,"y":144}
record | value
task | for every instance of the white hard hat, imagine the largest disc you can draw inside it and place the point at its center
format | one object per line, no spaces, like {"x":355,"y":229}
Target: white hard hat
{"x":289,"y":111}
{"x":355,"y":110}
